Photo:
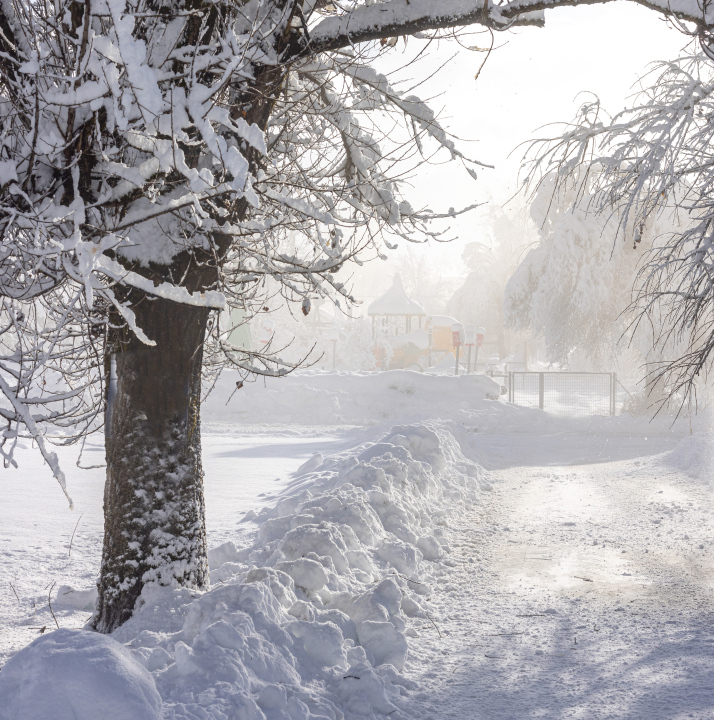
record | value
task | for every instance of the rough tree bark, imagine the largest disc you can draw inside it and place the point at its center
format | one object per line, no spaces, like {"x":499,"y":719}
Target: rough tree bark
{"x":154,"y":513}
{"x":153,"y":497}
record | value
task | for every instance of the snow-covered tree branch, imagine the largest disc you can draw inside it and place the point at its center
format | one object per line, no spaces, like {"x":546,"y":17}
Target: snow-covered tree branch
{"x":647,"y":171}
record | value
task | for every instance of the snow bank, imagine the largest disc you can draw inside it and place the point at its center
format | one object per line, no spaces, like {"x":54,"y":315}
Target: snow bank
{"x":77,"y":675}
{"x":307,"y":398}
{"x":693,"y":455}
{"x":350,"y":398}
{"x":310,"y":621}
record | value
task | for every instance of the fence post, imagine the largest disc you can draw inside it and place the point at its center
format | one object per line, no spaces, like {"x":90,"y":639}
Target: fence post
{"x":510,"y":387}
{"x":541,"y":388}
{"x":613,"y":395}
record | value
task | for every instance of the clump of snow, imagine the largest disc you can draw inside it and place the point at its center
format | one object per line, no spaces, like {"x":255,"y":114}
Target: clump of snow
{"x":227,"y":552}
{"x":447,"y":364}
{"x":68,"y":597}
{"x":309,"y":465}
{"x":311,"y":620}
{"x":693,"y":455}
{"x":77,"y":675}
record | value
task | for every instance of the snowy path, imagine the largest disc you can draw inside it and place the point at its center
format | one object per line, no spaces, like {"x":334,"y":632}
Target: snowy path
{"x":579,"y":591}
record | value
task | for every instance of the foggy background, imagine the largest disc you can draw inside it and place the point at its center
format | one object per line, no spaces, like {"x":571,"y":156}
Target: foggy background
{"x":533,"y":78}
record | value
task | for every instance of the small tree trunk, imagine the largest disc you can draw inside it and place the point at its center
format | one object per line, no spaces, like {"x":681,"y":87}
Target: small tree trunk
{"x":153,"y":498}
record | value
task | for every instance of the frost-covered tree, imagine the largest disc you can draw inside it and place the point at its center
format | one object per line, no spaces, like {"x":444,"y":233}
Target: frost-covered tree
{"x":423,"y":279}
{"x":650,"y":170}
{"x":491,"y":263}
{"x":158,"y":161}
{"x":573,"y":289}
{"x":300,"y":340}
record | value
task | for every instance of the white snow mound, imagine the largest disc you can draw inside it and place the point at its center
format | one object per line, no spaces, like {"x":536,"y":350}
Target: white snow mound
{"x":693,"y":456}
{"x":77,"y":675}
{"x":68,"y":597}
{"x":309,"y":622}
{"x":312,"y":464}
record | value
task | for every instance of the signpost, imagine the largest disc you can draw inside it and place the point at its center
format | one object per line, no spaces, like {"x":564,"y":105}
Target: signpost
{"x":457,"y":340}
{"x":469,"y":341}
{"x":480,"y":332}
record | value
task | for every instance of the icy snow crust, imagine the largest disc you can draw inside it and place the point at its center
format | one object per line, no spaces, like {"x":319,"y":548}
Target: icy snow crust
{"x":309,"y":622}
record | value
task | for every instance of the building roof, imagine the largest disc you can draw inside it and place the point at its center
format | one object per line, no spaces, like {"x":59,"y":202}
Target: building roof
{"x":395,"y":302}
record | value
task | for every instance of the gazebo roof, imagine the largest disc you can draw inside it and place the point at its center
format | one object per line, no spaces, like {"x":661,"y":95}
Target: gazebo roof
{"x":395,"y":302}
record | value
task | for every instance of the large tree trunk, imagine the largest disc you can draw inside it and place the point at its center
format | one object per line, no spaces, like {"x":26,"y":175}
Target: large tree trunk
{"x":154,"y":514}
{"x":153,"y":497}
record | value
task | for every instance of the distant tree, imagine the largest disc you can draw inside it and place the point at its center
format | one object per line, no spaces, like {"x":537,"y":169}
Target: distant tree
{"x":573,"y":289}
{"x":425,"y":281}
{"x":649,"y":170}
{"x":159,"y":161}
{"x":480,"y":299}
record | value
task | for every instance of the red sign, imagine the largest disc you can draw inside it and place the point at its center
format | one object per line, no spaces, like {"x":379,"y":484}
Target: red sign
{"x":456,"y":338}
{"x":479,"y":339}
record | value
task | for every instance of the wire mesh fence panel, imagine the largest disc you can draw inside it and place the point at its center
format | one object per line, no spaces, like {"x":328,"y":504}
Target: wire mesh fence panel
{"x":566,"y":393}
{"x":524,"y":388}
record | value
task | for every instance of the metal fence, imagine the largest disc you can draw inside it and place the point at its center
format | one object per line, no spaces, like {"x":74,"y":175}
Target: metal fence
{"x":565,"y":393}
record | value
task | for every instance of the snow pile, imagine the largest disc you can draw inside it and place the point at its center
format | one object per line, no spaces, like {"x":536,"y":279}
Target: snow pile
{"x":693,"y":455}
{"x":77,"y":675}
{"x":349,"y":398}
{"x":310,"y":622}
{"x":68,"y":597}
{"x":446,"y":365}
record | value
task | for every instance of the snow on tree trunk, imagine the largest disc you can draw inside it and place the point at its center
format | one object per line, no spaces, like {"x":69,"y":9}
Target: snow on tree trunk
{"x":155,"y":527}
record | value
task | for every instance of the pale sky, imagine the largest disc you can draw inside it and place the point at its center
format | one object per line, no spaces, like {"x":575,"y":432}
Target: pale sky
{"x":534,"y":79}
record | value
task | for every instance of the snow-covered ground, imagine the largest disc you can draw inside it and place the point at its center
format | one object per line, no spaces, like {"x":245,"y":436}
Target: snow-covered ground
{"x":479,"y":561}
{"x":245,"y":467}
{"x":580,"y":590}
